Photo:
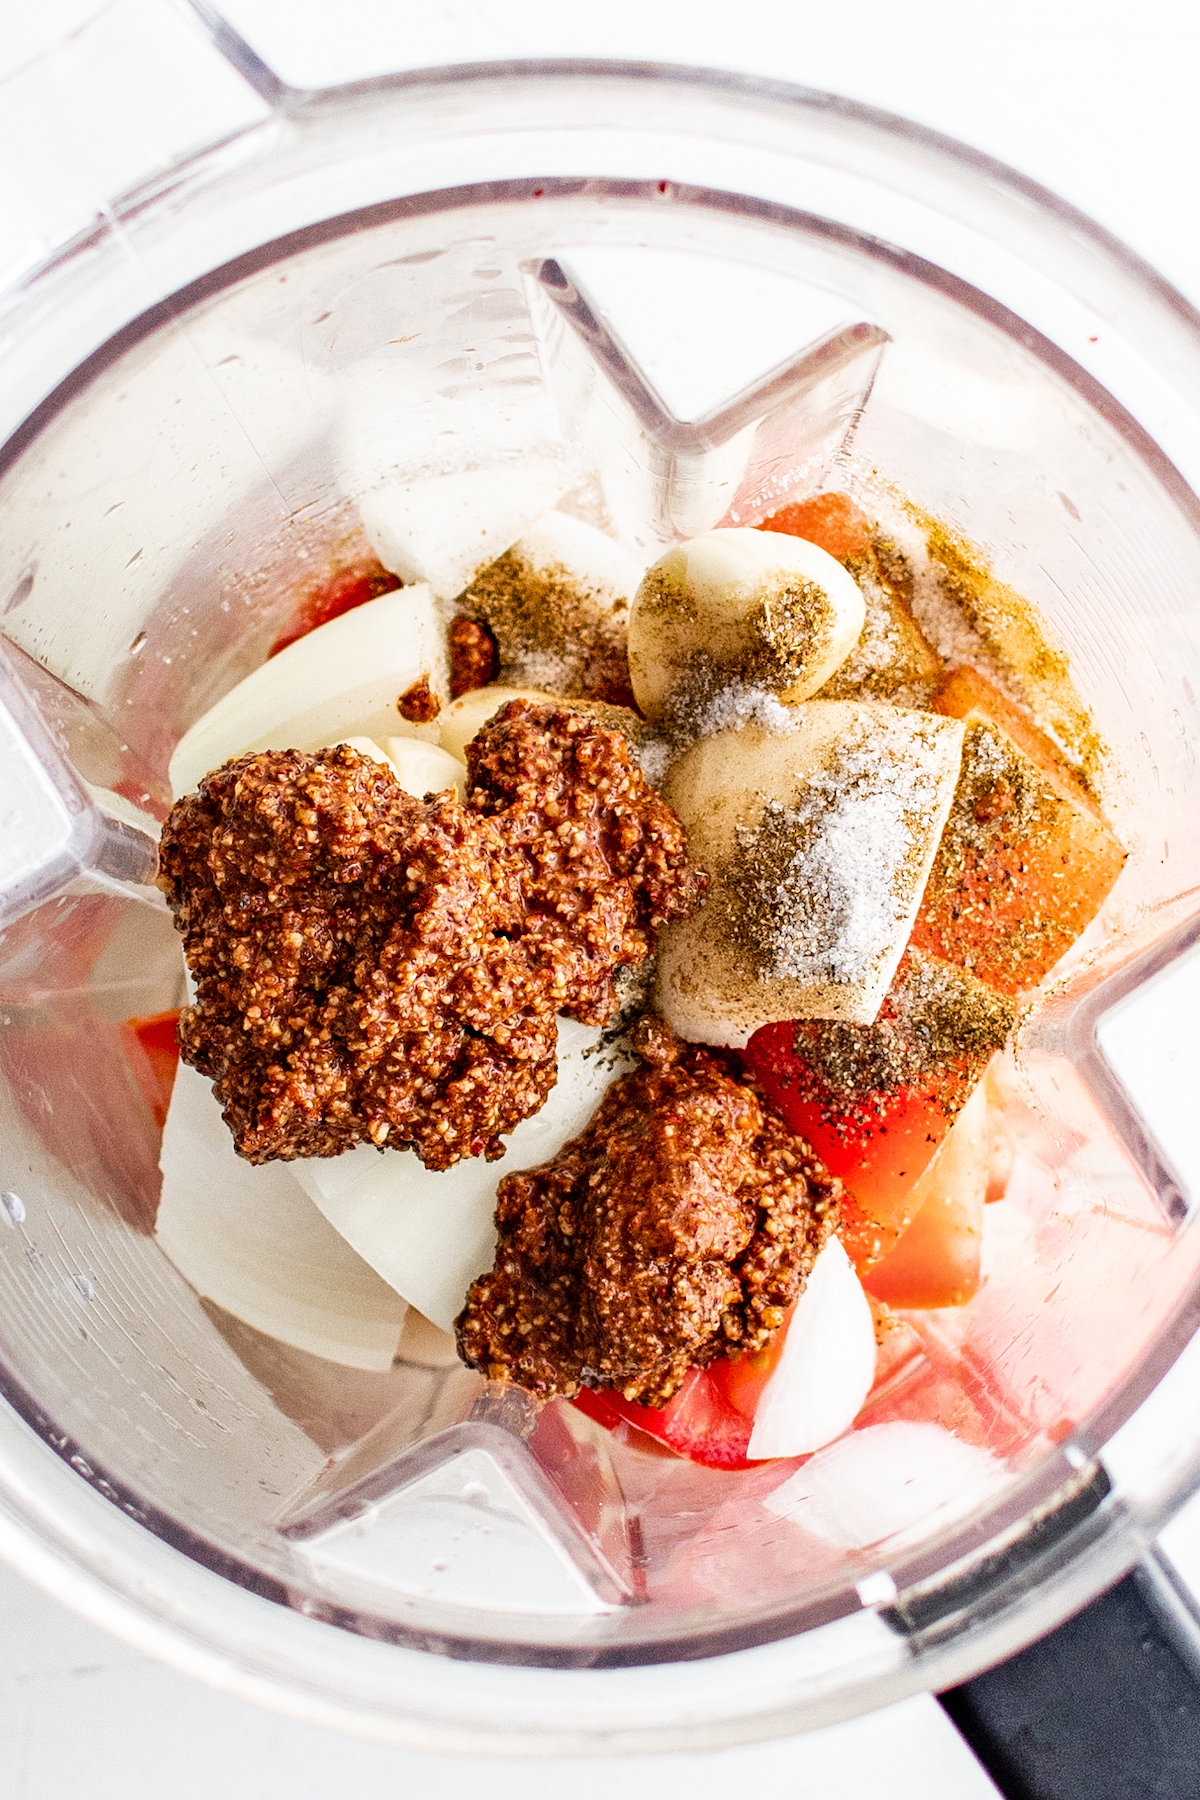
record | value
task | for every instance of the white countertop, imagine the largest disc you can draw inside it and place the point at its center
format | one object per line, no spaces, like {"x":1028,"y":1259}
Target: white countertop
{"x":1091,"y":97}
{"x":83,"y":1715}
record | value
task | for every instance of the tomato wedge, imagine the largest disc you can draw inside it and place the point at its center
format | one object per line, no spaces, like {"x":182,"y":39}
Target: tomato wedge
{"x":151,"y":1046}
{"x":830,"y":520}
{"x":895,"y":1110}
{"x":1026,"y":860}
{"x":697,"y":1422}
{"x":876,"y":1102}
{"x":710,"y":1418}
{"x":935,"y":1261}
{"x":879,"y":1147}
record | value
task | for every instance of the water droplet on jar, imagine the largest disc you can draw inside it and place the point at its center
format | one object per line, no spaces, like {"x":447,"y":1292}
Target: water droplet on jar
{"x":13,"y":1208}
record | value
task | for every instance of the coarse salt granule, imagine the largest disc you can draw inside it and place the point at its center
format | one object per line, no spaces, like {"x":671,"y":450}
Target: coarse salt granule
{"x":818,"y":843}
{"x":829,"y":878}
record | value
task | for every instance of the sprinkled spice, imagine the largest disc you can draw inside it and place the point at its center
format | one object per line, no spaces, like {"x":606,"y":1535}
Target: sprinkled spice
{"x":937,"y":1028}
{"x":825,"y":879}
{"x":605,"y":676}
{"x":892,"y":660}
{"x":553,"y":627}
{"x":973,"y":617}
{"x":419,"y":704}
{"x":742,"y":704}
{"x":679,"y":1226}
{"x":1023,"y":866}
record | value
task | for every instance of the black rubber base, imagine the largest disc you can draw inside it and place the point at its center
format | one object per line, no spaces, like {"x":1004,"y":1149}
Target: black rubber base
{"x":1105,"y":1708}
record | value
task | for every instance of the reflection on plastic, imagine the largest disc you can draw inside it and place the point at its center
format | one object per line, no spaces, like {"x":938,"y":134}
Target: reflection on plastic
{"x":884,"y":1481}
{"x":467,"y":1519}
{"x":1149,"y":1041}
{"x":664,"y":478}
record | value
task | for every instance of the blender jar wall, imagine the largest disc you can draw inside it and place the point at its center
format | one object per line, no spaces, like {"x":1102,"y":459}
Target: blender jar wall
{"x":177,"y":503}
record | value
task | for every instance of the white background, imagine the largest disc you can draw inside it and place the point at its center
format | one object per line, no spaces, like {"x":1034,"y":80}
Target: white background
{"x":1096,"y":100}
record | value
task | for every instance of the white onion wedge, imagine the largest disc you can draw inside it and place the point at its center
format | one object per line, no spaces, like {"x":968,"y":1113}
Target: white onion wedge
{"x":251,"y":1240}
{"x":444,"y":529}
{"x":430,"y":1234}
{"x":342,"y":679}
{"x":826,"y":1367}
{"x":420,"y":768}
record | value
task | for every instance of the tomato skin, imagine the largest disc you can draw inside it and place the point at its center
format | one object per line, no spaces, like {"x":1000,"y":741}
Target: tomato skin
{"x":831,"y":521}
{"x":915,"y":1176}
{"x":697,"y":1422}
{"x":936,"y":1261}
{"x":341,"y":594}
{"x":151,"y":1046}
{"x":880,"y":1150}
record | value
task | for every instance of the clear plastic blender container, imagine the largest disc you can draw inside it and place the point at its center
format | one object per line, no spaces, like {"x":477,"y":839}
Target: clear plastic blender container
{"x":435,"y":277}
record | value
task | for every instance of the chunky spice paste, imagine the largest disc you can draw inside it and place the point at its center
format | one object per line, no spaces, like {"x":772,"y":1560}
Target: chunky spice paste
{"x":603,"y":860}
{"x":679,"y":1227}
{"x":474,"y":657}
{"x":374,"y":968}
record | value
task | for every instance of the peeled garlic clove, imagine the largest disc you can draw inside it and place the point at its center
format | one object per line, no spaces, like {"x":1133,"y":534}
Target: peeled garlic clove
{"x":343,"y":678}
{"x":818,"y":841}
{"x":251,"y":1240}
{"x":826,"y":1367}
{"x":757,"y":608}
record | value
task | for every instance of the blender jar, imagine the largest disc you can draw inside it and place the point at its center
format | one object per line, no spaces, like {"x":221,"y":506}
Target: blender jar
{"x":664,"y":300}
